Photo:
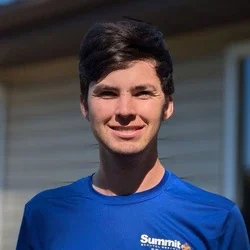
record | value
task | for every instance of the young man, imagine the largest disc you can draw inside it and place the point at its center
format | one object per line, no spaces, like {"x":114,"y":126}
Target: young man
{"x":131,"y":202}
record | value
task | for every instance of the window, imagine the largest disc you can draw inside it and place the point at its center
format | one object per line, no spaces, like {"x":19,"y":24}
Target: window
{"x":245,"y":119}
{"x":237,"y":127}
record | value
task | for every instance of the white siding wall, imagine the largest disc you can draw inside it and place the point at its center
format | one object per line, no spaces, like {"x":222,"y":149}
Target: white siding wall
{"x":49,"y":145}
{"x":49,"y":142}
{"x":190,"y":142}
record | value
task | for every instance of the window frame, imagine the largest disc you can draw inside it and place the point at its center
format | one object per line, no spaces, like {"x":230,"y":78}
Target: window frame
{"x":233,"y":55}
{"x":3,"y":119}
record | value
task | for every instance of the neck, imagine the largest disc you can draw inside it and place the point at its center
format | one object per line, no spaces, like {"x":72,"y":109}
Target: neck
{"x":127,"y":174}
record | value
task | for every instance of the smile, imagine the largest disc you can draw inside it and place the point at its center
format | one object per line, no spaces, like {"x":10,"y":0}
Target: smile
{"x":126,"y":132}
{"x":131,"y":128}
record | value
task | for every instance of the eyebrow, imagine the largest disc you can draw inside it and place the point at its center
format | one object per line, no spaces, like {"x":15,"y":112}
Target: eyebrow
{"x":139,"y":87}
{"x":144,"y":87}
{"x":105,"y":87}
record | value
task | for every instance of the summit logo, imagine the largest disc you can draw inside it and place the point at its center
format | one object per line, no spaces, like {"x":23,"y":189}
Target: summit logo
{"x":159,"y":244}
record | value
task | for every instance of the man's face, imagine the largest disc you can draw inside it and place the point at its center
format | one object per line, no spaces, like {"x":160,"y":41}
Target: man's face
{"x":125,"y":109}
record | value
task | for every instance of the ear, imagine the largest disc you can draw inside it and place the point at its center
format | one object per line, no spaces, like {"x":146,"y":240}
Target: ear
{"x":169,"y":108}
{"x":84,"y":107}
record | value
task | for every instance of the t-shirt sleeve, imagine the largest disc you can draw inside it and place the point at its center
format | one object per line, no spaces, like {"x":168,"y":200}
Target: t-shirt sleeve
{"x":23,"y":242}
{"x":234,"y":234}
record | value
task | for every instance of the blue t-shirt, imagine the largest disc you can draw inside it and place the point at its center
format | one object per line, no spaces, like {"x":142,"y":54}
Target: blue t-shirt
{"x":173,"y":215}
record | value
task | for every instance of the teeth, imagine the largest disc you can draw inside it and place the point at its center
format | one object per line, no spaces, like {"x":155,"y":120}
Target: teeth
{"x":125,"y":130}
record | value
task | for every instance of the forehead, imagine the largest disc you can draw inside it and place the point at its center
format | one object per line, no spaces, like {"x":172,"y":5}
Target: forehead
{"x":138,"y":73}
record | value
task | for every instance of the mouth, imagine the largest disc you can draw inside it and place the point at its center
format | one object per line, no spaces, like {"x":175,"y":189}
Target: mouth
{"x":122,"y":128}
{"x":127,"y":132}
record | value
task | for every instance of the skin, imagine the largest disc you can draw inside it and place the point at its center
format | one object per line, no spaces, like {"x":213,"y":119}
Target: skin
{"x":125,"y":110}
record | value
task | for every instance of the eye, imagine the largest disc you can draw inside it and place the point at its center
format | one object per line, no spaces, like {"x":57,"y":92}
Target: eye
{"x":143,"y":94}
{"x":107,"y":94}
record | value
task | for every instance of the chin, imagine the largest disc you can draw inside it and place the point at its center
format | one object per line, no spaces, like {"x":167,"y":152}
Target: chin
{"x":126,"y":151}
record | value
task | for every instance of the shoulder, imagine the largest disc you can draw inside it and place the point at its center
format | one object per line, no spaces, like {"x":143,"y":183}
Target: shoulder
{"x":190,"y":193}
{"x":62,"y":193}
{"x":214,"y":215}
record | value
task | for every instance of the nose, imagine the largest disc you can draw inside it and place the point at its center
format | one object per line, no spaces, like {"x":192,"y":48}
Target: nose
{"x":125,"y":106}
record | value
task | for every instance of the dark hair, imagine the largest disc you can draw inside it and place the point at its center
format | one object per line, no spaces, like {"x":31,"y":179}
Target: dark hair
{"x":114,"y":45}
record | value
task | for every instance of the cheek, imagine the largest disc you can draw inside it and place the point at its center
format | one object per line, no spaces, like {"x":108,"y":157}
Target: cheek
{"x":152,"y":111}
{"x":100,"y":111}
